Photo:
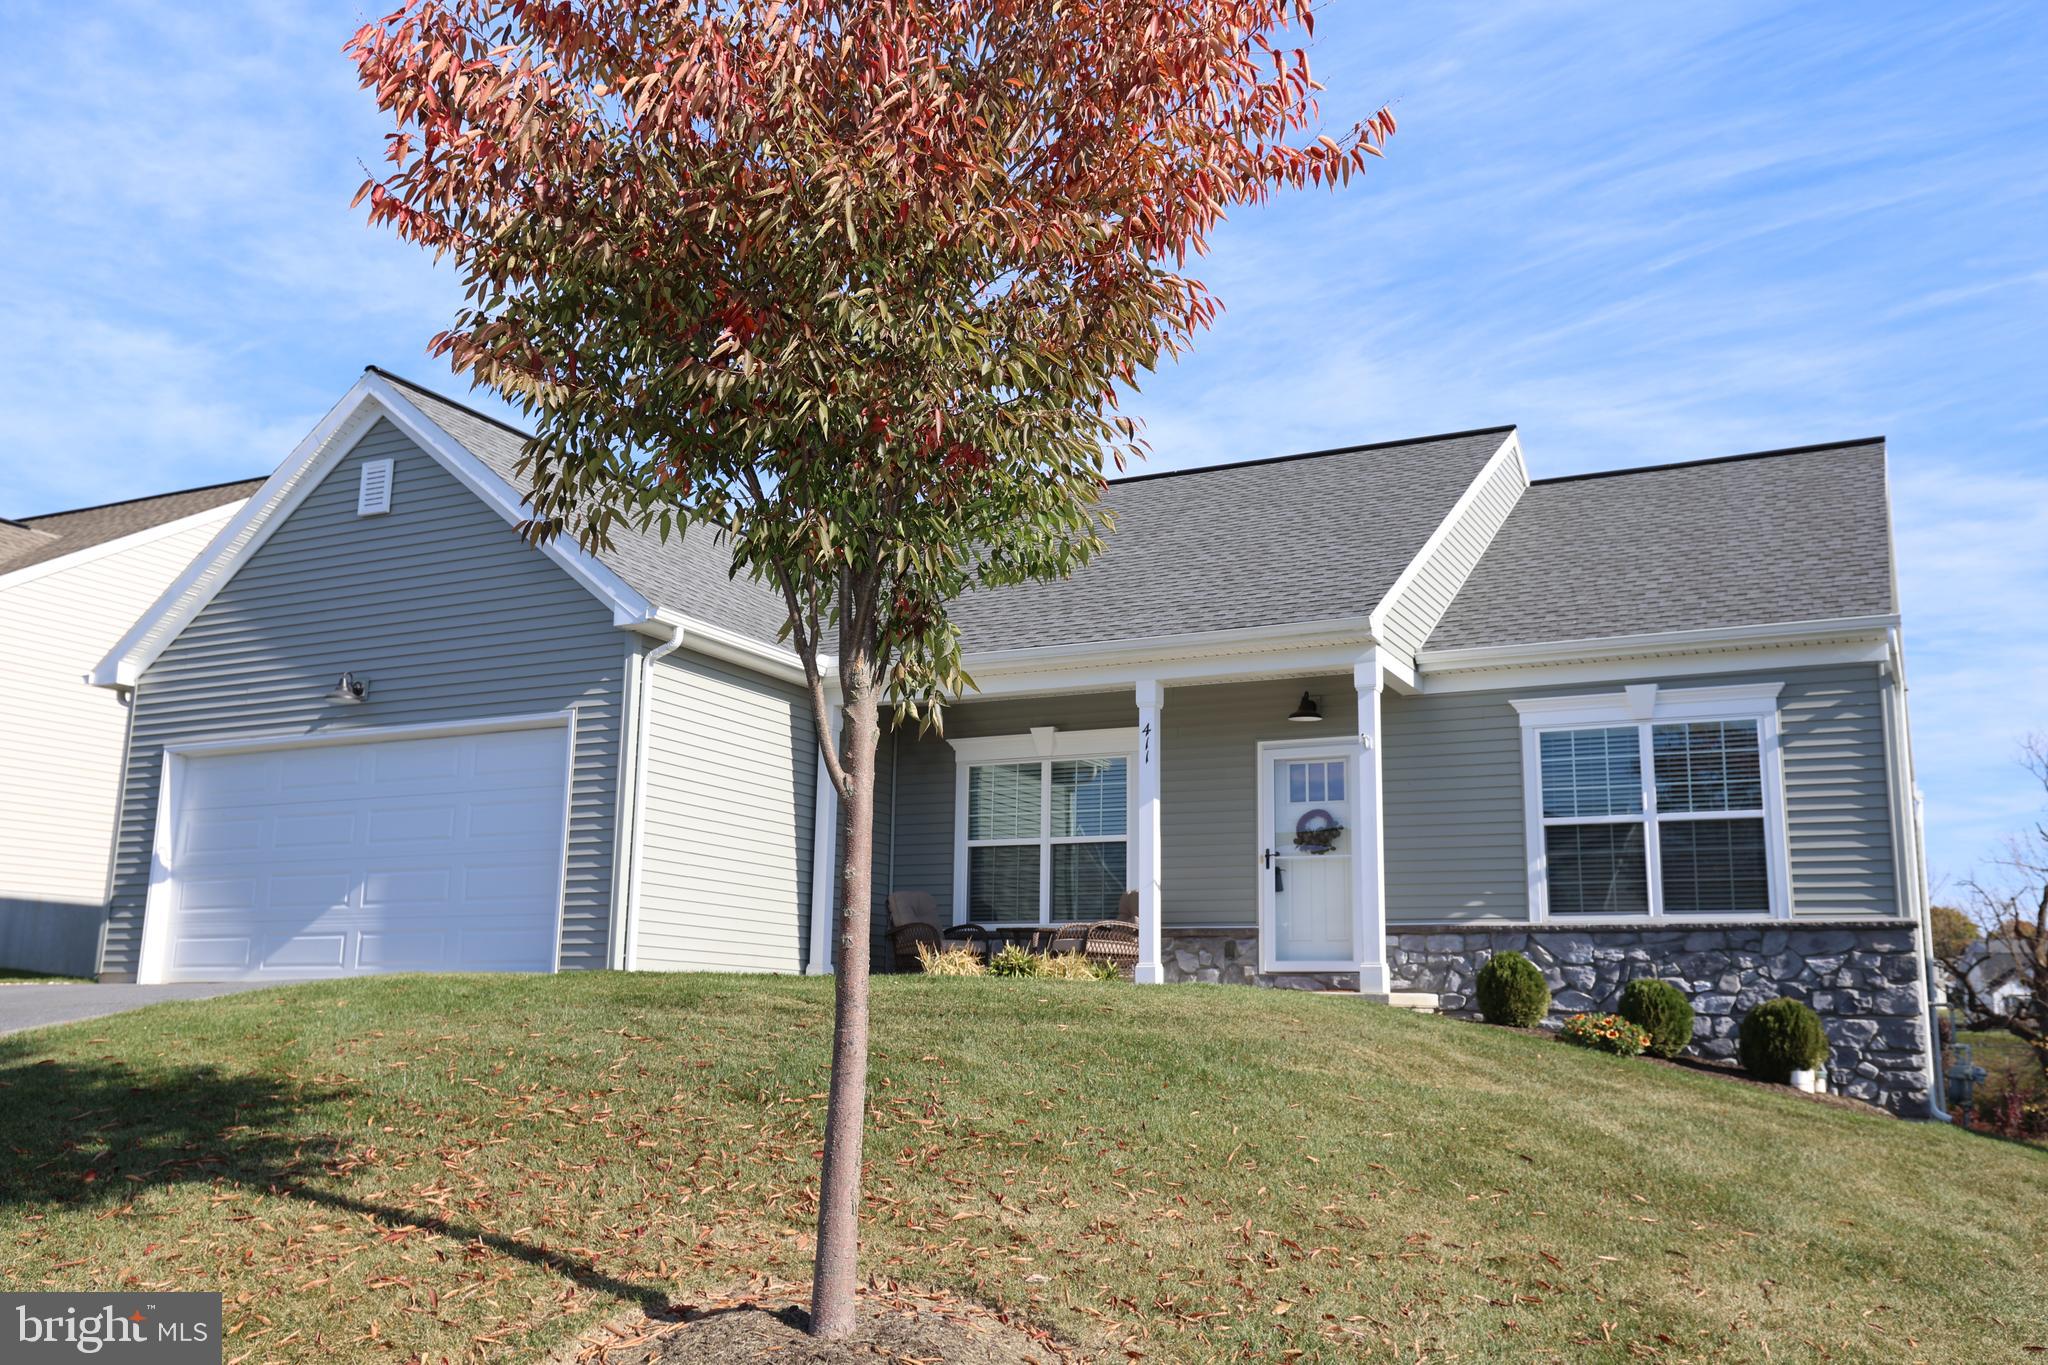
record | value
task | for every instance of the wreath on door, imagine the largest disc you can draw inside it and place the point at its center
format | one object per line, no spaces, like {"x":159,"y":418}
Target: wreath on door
{"x":1317,"y":831}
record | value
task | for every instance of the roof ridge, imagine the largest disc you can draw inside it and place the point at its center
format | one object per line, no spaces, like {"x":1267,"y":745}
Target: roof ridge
{"x":147,"y":497}
{"x":523,"y":434}
{"x":1713,"y":459}
{"x":455,"y":403}
{"x":1315,"y":454}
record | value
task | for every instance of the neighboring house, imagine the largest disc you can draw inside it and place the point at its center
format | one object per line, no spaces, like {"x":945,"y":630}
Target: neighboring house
{"x":70,"y":583}
{"x":1997,"y":972}
{"x":1649,"y":722}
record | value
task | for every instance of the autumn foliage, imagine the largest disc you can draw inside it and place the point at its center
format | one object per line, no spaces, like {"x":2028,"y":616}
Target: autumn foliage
{"x":856,"y":285}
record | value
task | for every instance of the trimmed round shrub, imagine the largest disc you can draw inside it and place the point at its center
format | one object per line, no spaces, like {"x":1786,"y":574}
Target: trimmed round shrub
{"x":1780,"y":1037}
{"x":1606,"y":1033}
{"x":1662,"y":1010}
{"x":1512,"y":991}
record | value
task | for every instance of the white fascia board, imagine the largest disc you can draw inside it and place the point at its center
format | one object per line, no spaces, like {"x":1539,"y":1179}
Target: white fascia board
{"x":135,"y":540}
{"x":1287,"y":650}
{"x":1510,"y":452}
{"x":704,"y":638}
{"x":312,"y":460}
{"x":1855,"y":639}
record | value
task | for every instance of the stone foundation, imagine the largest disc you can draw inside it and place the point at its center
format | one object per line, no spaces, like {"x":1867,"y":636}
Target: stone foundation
{"x":1861,"y":977}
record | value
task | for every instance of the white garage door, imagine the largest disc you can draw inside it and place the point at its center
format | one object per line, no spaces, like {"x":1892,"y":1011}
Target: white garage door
{"x":433,"y":854}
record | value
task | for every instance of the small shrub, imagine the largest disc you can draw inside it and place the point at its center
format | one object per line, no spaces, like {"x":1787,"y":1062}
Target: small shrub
{"x":1606,"y":1033}
{"x":958,"y":961}
{"x":1662,"y":1009}
{"x":1016,"y":960}
{"x":1512,"y":991}
{"x":1105,"y":971}
{"x":1069,"y":967}
{"x":1780,"y":1037}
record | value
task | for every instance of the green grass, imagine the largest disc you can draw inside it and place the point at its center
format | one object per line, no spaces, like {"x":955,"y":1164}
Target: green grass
{"x":2009,"y":1060}
{"x":11,"y":975}
{"x":479,"y":1167}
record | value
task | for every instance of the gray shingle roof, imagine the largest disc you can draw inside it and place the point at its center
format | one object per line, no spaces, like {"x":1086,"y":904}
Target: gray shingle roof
{"x":1782,"y":536}
{"x":33,"y":540}
{"x":1302,"y":538}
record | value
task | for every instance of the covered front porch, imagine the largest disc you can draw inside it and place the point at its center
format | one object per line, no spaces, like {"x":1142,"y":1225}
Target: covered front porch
{"x":1238,"y":801}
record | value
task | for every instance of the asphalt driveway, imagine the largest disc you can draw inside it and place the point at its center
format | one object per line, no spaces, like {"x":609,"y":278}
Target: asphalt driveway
{"x":30,"y":1004}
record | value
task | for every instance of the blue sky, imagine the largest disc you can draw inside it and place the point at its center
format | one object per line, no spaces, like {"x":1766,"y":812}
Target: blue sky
{"x":1642,"y":232}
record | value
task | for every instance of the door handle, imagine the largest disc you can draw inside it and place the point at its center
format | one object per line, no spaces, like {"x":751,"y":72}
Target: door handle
{"x":1279,"y":877}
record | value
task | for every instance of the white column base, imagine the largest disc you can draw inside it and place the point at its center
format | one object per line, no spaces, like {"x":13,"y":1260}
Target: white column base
{"x":1149,"y":974}
{"x":1373,"y":979}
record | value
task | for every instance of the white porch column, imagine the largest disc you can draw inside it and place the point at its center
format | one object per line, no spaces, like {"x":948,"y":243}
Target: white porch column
{"x":1146,"y":875}
{"x":1369,"y":858}
{"x":824,"y":859}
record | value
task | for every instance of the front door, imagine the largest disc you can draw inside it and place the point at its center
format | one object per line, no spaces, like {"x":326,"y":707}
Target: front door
{"x":1306,"y":800}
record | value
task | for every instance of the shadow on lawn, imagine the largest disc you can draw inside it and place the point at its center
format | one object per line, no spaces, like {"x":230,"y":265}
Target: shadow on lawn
{"x":82,"y":1135}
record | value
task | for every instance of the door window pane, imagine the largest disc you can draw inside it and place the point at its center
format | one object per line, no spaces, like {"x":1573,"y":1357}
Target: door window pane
{"x":1087,"y":880}
{"x":1591,"y":773}
{"x":1708,"y":765}
{"x":1002,"y":884}
{"x":1089,"y":797}
{"x":1002,"y":801}
{"x":1714,"y":867}
{"x":1596,"y":870}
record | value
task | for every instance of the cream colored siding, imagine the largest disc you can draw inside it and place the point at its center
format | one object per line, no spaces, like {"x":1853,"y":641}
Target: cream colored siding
{"x":448,"y":614}
{"x":60,"y":749}
{"x":1409,"y":615}
{"x":1456,"y":846}
{"x":726,"y":844}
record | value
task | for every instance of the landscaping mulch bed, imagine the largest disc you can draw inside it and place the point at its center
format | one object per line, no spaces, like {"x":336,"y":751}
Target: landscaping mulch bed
{"x":766,"y":1325}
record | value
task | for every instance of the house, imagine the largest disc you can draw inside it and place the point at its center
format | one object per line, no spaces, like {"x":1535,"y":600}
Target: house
{"x":70,"y":583}
{"x":1350,"y":720}
{"x":1998,"y":973}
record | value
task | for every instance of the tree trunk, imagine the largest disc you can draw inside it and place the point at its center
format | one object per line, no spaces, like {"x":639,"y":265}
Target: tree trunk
{"x":834,"y":1275}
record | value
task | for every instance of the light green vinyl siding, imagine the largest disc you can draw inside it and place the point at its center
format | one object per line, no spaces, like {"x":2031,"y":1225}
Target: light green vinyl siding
{"x":1456,"y":843}
{"x":448,"y":614}
{"x":923,"y":853}
{"x":732,"y":763}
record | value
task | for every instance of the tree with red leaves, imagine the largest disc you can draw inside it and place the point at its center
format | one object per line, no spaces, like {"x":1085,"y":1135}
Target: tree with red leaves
{"x":856,"y":286}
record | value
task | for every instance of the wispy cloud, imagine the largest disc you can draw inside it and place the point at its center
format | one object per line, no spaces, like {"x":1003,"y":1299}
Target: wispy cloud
{"x":1644,"y":232}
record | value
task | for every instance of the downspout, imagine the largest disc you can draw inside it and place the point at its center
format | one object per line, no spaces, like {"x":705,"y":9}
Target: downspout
{"x":1909,"y":810}
{"x":637,"y":820}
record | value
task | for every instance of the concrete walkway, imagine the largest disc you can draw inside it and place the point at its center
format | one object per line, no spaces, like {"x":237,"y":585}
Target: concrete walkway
{"x":31,"y":1004}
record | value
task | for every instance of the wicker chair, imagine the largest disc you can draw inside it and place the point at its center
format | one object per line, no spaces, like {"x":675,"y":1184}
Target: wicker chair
{"x":1115,"y":941}
{"x":913,"y":923}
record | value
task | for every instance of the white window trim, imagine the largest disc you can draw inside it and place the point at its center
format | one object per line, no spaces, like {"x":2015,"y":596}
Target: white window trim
{"x":1042,"y":745}
{"x":1641,"y":706}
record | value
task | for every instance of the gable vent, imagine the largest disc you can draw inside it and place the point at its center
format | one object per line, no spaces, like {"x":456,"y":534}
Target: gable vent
{"x":373,"y":498}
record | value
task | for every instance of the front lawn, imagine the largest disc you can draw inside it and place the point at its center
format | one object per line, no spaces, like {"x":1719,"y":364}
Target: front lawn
{"x":480,"y":1167}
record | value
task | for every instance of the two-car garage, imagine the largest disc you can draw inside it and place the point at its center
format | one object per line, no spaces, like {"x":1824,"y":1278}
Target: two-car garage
{"x":412,"y":849}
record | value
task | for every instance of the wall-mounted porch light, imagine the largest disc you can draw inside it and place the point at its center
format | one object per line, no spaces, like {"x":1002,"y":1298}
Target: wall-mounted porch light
{"x":349,"y":688}
{"x":1308,"y":712}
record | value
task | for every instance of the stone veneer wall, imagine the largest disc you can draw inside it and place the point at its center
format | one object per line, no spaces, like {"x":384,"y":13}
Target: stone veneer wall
{"x":1861,"y":977}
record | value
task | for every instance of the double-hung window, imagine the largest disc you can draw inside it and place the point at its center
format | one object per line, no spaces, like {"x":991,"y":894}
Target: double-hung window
{"x":1042,"y":837}
{"x":1655,"y":803}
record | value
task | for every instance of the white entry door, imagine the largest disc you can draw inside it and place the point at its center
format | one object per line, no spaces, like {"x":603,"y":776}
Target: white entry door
{"x":441,"y":853}
{"x":1306,"y":800}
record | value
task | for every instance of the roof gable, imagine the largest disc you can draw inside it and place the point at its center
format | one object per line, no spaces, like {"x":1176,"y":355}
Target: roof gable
{"x":39,"y":541}
{"x":371,"y":399}
{"x":1779,"y":537}
{"x":1317,"y":537}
